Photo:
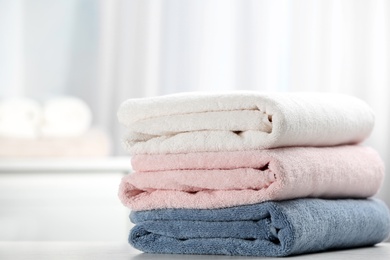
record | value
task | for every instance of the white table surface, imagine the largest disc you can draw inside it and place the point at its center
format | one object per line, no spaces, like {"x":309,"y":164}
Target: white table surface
{"x":119,"y":251}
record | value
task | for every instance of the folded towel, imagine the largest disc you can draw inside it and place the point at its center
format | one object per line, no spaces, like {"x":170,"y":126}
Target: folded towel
{"x":66,"y":117}
{"x":194,"y":122}
{"x":266,"y":229}
{"x":20,"y":118}
{"x":224,"y":179}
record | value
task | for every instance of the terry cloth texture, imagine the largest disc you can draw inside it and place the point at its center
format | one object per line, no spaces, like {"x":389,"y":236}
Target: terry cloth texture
{"x":225,"y":179}
{"x":195,"y":122}
{"x":265,"y":229}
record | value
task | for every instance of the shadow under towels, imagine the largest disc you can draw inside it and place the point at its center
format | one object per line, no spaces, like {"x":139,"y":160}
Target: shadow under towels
{"x":223,"y":179}
{"x":266,"y":229}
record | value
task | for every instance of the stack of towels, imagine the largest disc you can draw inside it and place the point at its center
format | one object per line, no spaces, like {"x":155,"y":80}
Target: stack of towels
{"x":251,"y":174}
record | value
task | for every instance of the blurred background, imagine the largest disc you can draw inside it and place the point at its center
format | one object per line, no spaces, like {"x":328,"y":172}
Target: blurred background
{"x":66,"y":66}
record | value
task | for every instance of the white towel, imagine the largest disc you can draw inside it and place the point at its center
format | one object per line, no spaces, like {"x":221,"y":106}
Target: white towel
{"x":196,"y":122}
{"x":66,"y":117}
{"x":20,"y":118}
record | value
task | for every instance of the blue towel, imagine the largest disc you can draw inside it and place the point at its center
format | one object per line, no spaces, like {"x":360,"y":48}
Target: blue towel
{"x":266,"y":229}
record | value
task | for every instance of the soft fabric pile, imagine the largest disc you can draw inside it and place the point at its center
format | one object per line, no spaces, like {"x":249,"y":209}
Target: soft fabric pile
{"x":57,"y":127}
{"x":250,"y":174}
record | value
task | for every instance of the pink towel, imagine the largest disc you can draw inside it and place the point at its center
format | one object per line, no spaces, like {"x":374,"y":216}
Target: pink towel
{"x":223,"y":179}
